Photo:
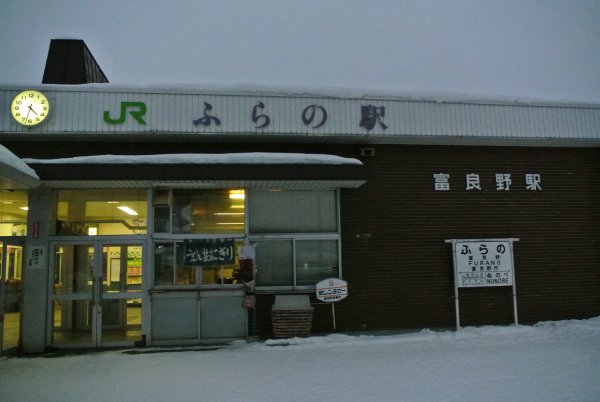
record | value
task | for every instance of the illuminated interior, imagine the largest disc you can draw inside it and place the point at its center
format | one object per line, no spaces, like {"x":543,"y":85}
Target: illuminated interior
{"x":199,"y":211}
{"x":13,"y":213}
{"x":101,"y":212}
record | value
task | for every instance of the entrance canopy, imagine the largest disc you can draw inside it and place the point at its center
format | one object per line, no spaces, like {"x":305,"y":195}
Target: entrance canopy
{"x":14,"y":173}
{"x":256,"y":169}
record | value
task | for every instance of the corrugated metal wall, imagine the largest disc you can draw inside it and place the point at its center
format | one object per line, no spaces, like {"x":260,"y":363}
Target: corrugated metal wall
{"x":394,"y":228}
{"x":79,"y":112}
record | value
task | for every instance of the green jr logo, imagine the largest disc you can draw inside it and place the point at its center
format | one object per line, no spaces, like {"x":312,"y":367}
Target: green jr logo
{"x":136,"y":110}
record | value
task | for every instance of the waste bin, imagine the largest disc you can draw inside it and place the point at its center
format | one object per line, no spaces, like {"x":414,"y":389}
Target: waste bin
{"x":291,"y":316}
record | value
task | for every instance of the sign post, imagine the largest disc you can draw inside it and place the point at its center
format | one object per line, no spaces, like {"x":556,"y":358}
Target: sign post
{"x":330,"y":291}
{"x":483,"y":263}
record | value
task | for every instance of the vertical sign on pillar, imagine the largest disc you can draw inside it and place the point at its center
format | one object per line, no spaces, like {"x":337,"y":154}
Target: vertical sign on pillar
{"x":36,"y":257}
{"x":35,"y":230}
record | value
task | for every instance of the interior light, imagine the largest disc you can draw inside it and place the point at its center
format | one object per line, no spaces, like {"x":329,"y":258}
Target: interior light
{"x":231,"y":223}
{"x":24,"y":208}
{"x":228,"y":213}
{"x":127,"y":210}
{"x":237,"y":194}
{"x":112,"y":202}
{"x":92,"y":231}
{"x":237,"y":206}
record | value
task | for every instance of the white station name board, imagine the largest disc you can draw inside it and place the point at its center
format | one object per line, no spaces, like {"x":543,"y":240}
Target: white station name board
{"x":332,"y":290}
{"x":483,"y":263}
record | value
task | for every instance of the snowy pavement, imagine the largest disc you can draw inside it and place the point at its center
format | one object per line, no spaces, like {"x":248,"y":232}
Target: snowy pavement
{"x":551,"y":361}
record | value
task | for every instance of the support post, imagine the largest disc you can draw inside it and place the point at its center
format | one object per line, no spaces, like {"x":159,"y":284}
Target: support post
{"x":514,"y":286}
{"x":333,"y":314}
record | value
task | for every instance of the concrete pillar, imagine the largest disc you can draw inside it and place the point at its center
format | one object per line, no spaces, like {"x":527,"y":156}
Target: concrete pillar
{"x":41,"y":223}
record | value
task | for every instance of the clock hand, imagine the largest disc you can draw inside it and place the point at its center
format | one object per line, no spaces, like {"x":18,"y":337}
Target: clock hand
{"x":30,"y":108}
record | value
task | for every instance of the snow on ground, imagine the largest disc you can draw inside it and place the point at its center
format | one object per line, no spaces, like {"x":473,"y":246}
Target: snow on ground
{"x":550,"y":361}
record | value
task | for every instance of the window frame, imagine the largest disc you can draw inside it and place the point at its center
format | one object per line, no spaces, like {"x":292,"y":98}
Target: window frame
{"x":294,"y":238}
{"x":198,"y":270}
{"x":103,"y":195}
{"x":171,"y":195}
{"x":248,"y":238}
{"x":252,"y":237}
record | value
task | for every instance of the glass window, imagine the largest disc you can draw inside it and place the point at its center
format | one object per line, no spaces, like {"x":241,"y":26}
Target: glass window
{"x":73,"y":269}
{"x":299,"y":239}
{"x":162,"y":219}
{"x":200,"y":212}
{"x":274,"y":263}
{"x":313,"y":260}
{"x":101,"y":212}
{"x":168,"y":270}
{"x":316,"y":260}
{"x":122,"y":268}
{"x":13,"y":213}
{"x":293,"y":211}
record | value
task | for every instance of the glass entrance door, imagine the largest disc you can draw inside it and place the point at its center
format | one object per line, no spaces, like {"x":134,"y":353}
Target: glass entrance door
{"x":11,"y":269}
{"x":96,"y":293}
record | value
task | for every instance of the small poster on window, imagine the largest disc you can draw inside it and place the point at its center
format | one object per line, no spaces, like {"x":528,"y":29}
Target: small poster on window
{"x":248,"y":253}
{"x":208,"y":252}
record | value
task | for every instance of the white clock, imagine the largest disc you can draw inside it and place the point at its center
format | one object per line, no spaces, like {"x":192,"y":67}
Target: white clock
{"x":30,"y":108}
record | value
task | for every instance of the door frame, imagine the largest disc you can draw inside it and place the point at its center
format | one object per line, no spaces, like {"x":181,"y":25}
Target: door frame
{"x":97,"y":293}
{"x":6,"y":241}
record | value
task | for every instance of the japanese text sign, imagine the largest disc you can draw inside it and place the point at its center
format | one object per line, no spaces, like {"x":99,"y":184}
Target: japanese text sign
{"x":332,"y":290}
{"x":208,"y":252}
{"x":482,"y":263}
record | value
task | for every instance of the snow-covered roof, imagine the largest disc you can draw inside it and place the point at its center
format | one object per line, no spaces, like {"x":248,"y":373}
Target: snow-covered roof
{"x":14,"y":172}
{"x":268,"y":158}
{"x":306,"y":91}
{"x":258,"y":170}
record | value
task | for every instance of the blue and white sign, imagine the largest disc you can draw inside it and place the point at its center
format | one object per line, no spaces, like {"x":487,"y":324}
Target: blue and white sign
{"x":332,"y":290}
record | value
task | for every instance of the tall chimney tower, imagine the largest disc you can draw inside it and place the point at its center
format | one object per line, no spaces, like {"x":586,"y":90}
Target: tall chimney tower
{"x":71,"y":62}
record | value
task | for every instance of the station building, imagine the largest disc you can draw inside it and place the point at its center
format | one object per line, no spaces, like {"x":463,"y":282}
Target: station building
{"x":125,"y":213}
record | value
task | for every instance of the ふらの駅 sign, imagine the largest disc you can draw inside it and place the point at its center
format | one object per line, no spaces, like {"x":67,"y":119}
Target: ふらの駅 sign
{"x":482,"y":263}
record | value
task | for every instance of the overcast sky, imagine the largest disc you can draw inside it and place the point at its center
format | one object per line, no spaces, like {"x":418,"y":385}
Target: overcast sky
{"x":544,"y":49}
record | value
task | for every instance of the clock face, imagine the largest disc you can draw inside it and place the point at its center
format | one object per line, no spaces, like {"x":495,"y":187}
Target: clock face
{"x":30,"y":108}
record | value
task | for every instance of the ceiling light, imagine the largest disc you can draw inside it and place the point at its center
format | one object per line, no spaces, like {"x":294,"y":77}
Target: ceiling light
{"x":236,"y":194}
{"x":127,"y":210}
{"x":24,"y":208}
{"x":228,"y":213}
